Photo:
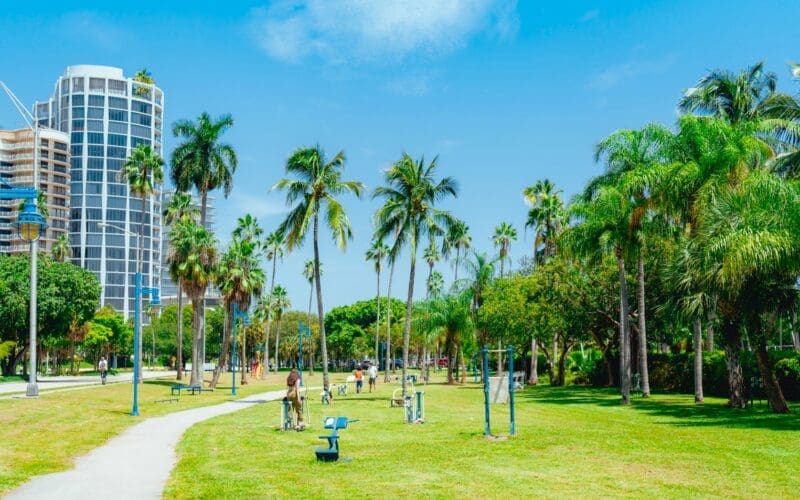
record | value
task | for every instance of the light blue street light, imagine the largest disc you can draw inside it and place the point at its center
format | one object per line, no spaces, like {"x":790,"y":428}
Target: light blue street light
{"x":137,"y":333}
{"x":30,"y":225}
{"x":245,"y":317}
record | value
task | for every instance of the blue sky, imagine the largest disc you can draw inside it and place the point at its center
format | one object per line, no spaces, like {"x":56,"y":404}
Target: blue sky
{"x":505,"y":92}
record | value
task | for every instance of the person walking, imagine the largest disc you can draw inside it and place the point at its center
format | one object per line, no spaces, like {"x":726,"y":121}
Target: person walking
{"x":102,"y":367}
{"x":359,"y":379}
{"x":293,"y":394}
{"x":372,"y":372}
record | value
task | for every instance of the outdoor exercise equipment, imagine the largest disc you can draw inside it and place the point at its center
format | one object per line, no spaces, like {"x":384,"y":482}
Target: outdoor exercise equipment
{"x":287,"y":416}
{"x":331,"y":453}
{"x":487,"y":418}
{"x":413,"y":402}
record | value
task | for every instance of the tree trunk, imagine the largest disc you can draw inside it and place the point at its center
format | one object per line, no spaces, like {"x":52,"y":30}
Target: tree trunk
{"x":462,"y":365}
{"x":378,"y":314}
{"x":265,"y":368}
{"x":534,"y":378}
{"x":179,"y":357}
{"x":562,"y":365}
{"x":625,"y":337}
{"x":277,"y":345}
{"x":458,"y":251}
{"x":203,"y":209}
{"x":643,"y":371}
{"x":243,"y":333}
{"x":771,"y":387}
{"x":388,"y":353}
{"x":733,"y":341}
{"x":793,"y":326}
{"x":711,"y":317}
{"x":311,"y":348}
{"x":197,"y":338}
{"x":227,"y":330}
{"x":698,"y":360}
{"x":554,"y":358}
{"x":409,"y":306}
{"x":322,"y":338}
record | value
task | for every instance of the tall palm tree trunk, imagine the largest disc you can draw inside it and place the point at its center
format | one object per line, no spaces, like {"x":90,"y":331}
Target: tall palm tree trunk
{"x":388,"y":352}
{"x":203,"y":208}
{"x":624,"y":334}
{"x":771,"y":387}
{"x":197,"y":328}
{"x":265,"y":369}
{"x":642,"y":329}
{"x":227,"y":330}
{"x":139,"y":269}
{"x":320,"y":310}
{"x":698,"y":360}
{"x":179,"y":357}
{"x":409,"y":305}
{"x":277,"y":344}
{"x":311,"y":347}
{"x":455,"y":277}
{"x":733,"y":341}
{"x":377,"y":314}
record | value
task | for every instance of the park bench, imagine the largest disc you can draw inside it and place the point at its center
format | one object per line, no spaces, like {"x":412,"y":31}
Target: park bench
{"x":193,"y":389}
{"x":331,"y":453}
{"x":755,"y":390}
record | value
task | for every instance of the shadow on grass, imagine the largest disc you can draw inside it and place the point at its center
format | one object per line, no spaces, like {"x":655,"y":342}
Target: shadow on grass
{"x":676,"y":409}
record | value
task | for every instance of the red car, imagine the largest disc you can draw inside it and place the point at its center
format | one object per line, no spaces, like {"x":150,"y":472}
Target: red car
{"x":442,"y":362}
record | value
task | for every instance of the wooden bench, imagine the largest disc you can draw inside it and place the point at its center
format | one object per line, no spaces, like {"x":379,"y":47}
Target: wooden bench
{"x":331,"y":453}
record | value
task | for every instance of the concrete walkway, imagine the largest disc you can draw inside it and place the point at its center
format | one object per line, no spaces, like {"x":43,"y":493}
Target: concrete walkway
{"x":137,"y":463}
{"x":51,"y":383}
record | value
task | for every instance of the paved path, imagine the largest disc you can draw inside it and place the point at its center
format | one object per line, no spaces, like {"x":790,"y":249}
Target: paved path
{"x":137,"y":463}
{"x":50,"y":383}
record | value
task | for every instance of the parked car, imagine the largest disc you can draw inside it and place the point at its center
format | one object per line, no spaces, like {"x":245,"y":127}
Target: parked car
{"x":442,"y":362}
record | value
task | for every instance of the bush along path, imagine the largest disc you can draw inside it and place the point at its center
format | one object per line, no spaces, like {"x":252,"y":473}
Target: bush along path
{"x":138,"y":462}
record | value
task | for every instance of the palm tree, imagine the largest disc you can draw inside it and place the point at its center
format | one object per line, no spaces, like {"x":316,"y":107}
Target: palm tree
{"x":431,"y":256}
{"x":61,"y":249}
{"x":201,"y":160}
{"x":375,"y":254}
{"x":545,"y":216}
{"x":144,"y":76}
{"x":247,"y":228}
{"x":318,"y":183}
{"x":273,"y":249}
{"x":630,"y":155}
{"x":504,"y":234}
{"x":193,"y":258}
{"x":280,"y":302}
{"x":411,"y":193}
{"x":480,"y":274}
{"x":457,"y":238}
{"x":435,"y":284}
{"x":451,"y":315}
{"x":180,"y":207}
{"x":143,"y":172}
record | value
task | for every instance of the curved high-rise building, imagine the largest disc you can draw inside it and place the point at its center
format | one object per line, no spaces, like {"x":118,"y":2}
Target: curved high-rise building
{"x":106,"y":115}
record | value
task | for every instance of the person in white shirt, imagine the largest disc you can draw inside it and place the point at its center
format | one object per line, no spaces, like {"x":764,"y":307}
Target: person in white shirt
{"x":102,"y":367}
{"x":373,"y":376}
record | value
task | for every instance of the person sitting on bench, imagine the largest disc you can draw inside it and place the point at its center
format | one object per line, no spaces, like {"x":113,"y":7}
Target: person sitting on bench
{"x":293,"y":394}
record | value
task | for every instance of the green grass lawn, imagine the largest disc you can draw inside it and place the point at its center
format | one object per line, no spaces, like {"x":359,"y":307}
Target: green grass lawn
{"x":44,"y":435}
{"x":570,"y":441}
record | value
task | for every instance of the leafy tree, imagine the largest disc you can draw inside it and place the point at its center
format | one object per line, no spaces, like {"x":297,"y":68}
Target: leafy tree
{"x":315,"y":189}
{"x":409,"y":214}
{"x":280,"y":303}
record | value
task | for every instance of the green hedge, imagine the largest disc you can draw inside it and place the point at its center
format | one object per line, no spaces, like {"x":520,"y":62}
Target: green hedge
{"x":674,"y":372}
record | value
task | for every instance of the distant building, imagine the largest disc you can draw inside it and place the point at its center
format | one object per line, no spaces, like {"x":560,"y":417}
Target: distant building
{"x":106,"y":115}
{"x":16,"y":167}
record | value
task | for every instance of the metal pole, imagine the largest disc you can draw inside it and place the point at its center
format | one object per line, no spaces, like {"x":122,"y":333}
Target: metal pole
{"x":32,"y":389}
{"x":233,"y":353}
{"x":511,"y":387}
{"x":487,"y":428}
{"x":137,"y":338}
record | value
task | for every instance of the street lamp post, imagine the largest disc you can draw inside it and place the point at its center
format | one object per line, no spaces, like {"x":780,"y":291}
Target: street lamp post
{"x":30,"y":225}
{"x":245,"y":317}
{"x":139,"y":290}
{"x":303,"y":331}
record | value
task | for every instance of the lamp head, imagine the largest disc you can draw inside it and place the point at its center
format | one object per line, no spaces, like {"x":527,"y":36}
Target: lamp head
{"x":155,"y":298}
{"x":30,"y":222}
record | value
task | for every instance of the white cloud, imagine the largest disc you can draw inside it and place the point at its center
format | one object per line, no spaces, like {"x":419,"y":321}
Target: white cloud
{"x":619,"y":73}
{"x":339,"y":31}
{"x":589,"y":15}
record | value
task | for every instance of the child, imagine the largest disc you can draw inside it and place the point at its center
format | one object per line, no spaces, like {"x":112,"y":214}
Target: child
{"x":359,"y":379}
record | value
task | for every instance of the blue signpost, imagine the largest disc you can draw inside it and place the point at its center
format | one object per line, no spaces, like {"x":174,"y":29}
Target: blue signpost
{"x":155,"y":300}
{"x":303,"y":331}
{"x":245,"y":317}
